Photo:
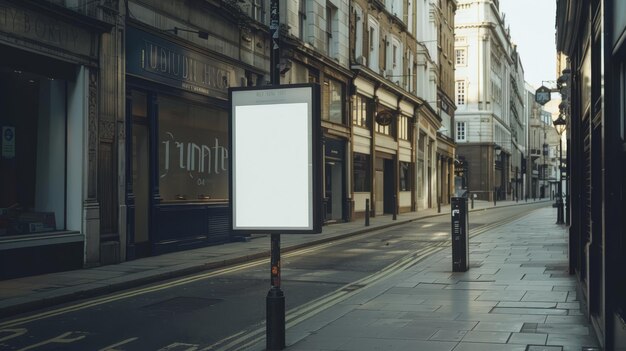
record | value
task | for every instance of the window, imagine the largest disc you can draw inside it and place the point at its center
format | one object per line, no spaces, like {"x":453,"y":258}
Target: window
{"x":383,"y":129}
{"x":460,"y":131}
{"x":373,"y":41}
{"x":460,"y":57}
{"x":360,"y":111}
{"x":460,"y":92}
{"x":302,"y":19}
{"x":361,"y":165}
{"x":331,"y":14}
{"x":358,"y":45}
{"x":193,"y":154}
{"x":332,"y":101}
{"x":404,"y":127}
{"x":258,"y":12}
{"x":33,"y":173}
{"x":405,"y":176}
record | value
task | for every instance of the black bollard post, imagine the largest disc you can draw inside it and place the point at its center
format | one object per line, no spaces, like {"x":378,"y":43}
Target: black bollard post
{"x":395,"y":207}
{"x":495,"y":194}
{"x":367,"y":212}
{"x":472,"y":196}
{"x":439,"y":205}
{"x":275,"y":303}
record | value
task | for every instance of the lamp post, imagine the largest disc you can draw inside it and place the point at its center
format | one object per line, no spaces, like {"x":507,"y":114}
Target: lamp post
{"x":559,"y":125}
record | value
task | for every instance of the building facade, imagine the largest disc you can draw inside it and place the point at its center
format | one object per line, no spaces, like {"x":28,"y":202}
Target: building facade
{"x":181,"y":58}
{"x":489,"y":88}
{"x":591,"y":34}
{"x":61,"y":121}
{"x":443,"y":13}
{"x":132,"y":108}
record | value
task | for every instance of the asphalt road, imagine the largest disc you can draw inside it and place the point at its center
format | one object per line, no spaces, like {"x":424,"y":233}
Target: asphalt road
{"x":225,"y":308}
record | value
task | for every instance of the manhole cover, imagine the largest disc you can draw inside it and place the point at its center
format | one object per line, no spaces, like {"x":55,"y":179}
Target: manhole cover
{"x":182,"y":304}
{"x":543,"y":348}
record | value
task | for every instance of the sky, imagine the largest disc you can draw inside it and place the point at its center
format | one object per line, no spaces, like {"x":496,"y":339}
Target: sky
{"x":532,"y":24}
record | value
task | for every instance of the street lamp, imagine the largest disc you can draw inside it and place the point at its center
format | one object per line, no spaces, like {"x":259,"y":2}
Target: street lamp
{"x":559,"y":125}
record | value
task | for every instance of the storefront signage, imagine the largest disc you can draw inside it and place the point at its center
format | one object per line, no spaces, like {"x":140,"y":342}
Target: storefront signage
{"x":160,"y":60}
{"x":542,"y":95}
{"x":41,"y":28}
{"x":8,"y":142}
{"x":384,"y":118}
{"x":279,"y":194}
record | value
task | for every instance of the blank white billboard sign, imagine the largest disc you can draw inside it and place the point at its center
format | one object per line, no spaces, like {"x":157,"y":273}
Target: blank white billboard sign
{"x":274,"y":149}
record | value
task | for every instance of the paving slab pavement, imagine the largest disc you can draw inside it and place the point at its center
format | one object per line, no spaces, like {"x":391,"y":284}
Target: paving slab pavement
{"x":516,"y":296}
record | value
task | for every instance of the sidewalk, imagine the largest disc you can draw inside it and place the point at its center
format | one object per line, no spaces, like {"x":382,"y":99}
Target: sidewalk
{"x":516,"y":296}
{"x":30,"y":293}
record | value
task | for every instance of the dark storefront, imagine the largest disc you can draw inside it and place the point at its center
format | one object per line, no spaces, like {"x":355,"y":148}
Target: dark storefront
{"x":177,"y":169}
{"x":593,"y":34}
{"x":49,"y":57}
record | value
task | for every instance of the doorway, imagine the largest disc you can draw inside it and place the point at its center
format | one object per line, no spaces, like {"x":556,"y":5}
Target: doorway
{"x":334,"y":190}
{"x":140,"y":173}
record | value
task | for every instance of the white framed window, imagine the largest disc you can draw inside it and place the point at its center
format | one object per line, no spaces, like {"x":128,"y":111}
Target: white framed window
{"x":358,"y":45}
{"x":460,"y":92}
{"x":460,"y":57}
{"x":374,"y":40}
{"x":461,"y":132}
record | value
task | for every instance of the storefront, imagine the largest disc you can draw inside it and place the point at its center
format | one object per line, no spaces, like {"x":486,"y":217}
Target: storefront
{"x":177,"y":156}
{"x":48,"y":60}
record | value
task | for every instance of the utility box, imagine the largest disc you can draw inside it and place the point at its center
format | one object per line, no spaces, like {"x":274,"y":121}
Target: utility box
{"x":460,"y":234}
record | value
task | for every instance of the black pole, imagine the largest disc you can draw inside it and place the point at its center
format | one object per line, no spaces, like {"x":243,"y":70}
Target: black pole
{"x":472,"y":197}
{"x":439,"y":205}
{"x":367,"y":212}
{"x":559,"y":199}
{"x":275,"y":300}
{"x":395,"y":207}
{"x":495,"y":194}
{"x":275,"y":42}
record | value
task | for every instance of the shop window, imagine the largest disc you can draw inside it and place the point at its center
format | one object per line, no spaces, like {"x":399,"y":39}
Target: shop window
{"x":362,"y":175}
{"x":193,"y":154}
{"x":360,"y":111}
{"x":404,"y":127}
{"x":405,"y":178}
{"x":33,"y":122}
{"x":332,"y":101}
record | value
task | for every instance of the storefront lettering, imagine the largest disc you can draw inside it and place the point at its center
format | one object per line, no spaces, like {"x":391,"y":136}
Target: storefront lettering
{"x":192,"y":157}
{"x":186,"y":68}
{"x":36,"y":26}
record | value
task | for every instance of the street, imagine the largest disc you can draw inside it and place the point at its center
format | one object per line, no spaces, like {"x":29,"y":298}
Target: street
{"x":225,"y":308}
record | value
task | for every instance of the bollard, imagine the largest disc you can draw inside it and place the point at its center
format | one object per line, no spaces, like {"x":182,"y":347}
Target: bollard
{"x":367,"y":212}
{"x":439,"y":205}
{"x":495,"y":194}
{"x":472,"y":201}
{"x":395,"y":207}
{"x":460,"y":234}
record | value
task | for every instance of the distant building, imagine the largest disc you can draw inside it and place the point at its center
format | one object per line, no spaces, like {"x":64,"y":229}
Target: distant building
{"x":489,"y":83}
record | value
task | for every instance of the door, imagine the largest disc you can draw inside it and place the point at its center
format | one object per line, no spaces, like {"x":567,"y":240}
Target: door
{"x":334,"y":191}
{"x":140,"y":173}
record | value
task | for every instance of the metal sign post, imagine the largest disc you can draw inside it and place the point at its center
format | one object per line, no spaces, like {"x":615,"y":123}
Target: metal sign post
{"x":265,"y":122}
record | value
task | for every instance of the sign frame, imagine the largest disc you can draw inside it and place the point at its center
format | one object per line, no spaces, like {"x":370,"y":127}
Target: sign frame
{"x":543,"y":95}
{"x":281,"y":125}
